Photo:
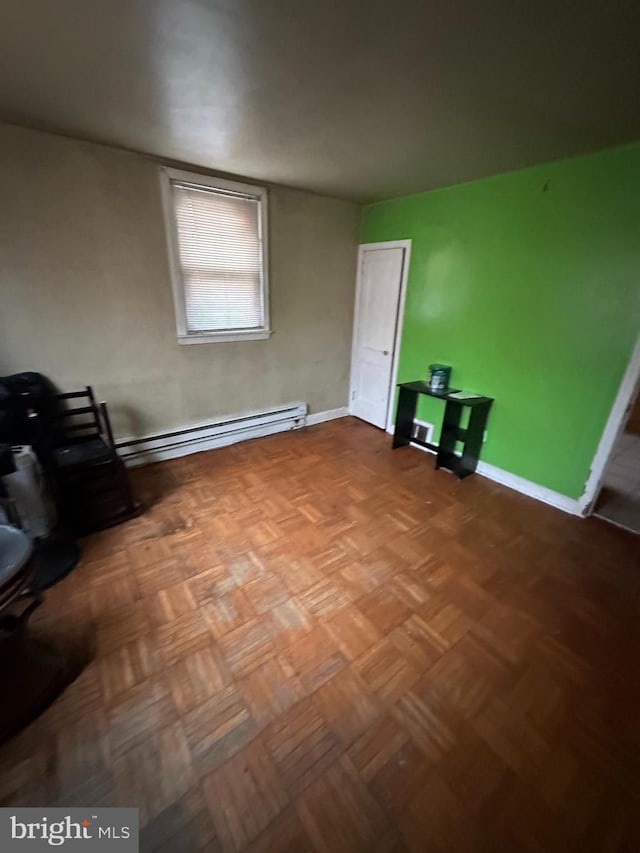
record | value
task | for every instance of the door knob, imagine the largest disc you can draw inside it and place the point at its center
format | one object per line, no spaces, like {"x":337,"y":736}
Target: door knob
{"x":385,"y":352}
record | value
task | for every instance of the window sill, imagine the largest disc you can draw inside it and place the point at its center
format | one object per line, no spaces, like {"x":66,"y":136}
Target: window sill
{"x":223,"y":337}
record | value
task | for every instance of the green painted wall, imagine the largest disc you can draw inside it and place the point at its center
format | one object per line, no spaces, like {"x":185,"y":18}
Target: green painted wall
{"x":528,"y":284}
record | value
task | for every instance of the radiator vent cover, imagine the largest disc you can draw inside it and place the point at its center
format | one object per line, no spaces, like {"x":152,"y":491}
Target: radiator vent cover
{"x":422,"y":430}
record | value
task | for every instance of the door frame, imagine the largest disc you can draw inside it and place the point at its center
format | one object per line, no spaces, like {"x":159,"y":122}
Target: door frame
{"x":618,"y":416}
{"x":402,"y":297}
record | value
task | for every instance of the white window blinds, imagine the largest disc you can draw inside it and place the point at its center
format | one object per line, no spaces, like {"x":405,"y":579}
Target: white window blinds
{"x":219,"y":242}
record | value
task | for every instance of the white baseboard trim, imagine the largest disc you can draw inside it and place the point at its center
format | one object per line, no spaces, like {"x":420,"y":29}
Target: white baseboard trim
{"x":235,"y":428}
{"x":220,"y":433}
{"x":208,"y":436}
{"x":527,"y":487}
{"x":329,"y":415}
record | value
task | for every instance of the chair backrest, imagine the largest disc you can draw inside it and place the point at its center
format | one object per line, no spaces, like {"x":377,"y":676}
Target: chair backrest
{"x":79,"y":418}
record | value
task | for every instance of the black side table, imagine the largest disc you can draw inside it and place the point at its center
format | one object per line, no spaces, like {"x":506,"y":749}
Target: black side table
{"x":451,"y":431}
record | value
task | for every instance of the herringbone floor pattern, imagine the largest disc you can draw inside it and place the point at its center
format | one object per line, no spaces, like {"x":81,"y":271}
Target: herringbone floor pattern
{"x":311,"y":643}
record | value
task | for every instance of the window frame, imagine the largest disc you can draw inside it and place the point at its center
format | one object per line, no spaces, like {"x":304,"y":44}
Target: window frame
{"x":177,"y":284}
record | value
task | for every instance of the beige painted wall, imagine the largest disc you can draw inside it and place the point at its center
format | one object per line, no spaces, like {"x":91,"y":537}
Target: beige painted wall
{"x":85,"y":295}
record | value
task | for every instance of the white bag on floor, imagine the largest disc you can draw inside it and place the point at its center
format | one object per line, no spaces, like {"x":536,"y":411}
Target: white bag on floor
{"x":27,"y":490}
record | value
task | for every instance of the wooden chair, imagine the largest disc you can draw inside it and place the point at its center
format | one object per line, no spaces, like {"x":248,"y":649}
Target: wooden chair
{"x":91,"y":481}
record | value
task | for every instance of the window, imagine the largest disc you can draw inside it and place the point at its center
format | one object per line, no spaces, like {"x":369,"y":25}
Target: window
{"x":216,"y":232}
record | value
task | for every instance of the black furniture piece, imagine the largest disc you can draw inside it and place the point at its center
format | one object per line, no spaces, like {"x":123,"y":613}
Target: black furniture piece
{"x":471,"y":436}
{"x":72,"y":437}
{"x":91,"y":481}
{"x":20,"y":395}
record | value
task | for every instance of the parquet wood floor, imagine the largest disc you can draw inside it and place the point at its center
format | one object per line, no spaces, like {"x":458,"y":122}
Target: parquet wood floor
{"x":311,"y":643}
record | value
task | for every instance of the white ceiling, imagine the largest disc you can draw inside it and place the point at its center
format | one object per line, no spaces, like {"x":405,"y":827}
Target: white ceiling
{"x":354,"y":98}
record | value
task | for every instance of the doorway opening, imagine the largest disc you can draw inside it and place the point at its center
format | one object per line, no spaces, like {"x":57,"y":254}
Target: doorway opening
{"x":619,"y":498}
{"x":612,"y":491}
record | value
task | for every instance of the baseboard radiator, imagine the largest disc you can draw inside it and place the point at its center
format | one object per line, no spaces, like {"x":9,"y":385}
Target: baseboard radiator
{"x":207,"y":436}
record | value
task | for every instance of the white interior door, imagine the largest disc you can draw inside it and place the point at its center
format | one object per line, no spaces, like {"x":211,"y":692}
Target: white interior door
{"x":374,"y":331}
